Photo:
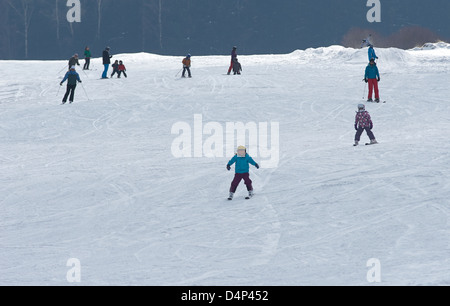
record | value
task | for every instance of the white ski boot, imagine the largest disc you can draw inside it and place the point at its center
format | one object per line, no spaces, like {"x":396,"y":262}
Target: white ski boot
{"x":356,"y":143}
{"x":250,"y":195}
{"x":373,"y":141}
{"x":231,"y":196}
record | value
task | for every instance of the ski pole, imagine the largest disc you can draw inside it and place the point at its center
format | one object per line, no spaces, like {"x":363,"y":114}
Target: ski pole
{"x":364,"y":94}
{"x":178,"y":72}
{"x":85,"y":92}
{"x":62,"y":69}
{"x":58,"y":90}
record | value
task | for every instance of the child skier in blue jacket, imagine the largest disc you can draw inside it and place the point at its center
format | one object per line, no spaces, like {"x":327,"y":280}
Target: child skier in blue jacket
{"x":242,"y":160}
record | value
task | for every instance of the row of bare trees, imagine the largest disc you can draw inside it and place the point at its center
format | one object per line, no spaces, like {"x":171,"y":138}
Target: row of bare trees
{"x":18,"y":17}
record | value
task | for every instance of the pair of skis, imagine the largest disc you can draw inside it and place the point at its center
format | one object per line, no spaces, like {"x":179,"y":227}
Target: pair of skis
{"x":247,"y":198}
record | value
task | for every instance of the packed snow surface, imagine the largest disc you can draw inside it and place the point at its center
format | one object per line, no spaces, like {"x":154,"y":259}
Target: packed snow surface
{"x":98,"y":180}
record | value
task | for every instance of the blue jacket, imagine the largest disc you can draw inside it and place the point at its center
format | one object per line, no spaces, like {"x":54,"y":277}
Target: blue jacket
{"x":372,"y":72}
{"x":72,"y":76}
{"x":372,"y":54}
{"x":242,"y":163}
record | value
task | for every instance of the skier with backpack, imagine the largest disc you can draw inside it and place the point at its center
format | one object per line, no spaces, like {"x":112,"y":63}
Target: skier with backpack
{"x":72,"y":77}
{"x":242,"y":160}
{"x":363,"y":122}
{"x":372,"y":76}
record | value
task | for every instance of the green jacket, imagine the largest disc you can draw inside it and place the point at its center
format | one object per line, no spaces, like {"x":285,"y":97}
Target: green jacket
{"x":87,"y":53}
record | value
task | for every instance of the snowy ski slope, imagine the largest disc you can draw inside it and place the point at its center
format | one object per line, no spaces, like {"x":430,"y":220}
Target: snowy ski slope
{"x":97,"y":180}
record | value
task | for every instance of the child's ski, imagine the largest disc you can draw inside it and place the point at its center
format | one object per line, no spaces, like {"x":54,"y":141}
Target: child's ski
{"x":369,"y":144}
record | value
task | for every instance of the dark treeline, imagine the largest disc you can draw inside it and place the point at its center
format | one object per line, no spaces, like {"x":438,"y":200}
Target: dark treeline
{"x":38,"y":29}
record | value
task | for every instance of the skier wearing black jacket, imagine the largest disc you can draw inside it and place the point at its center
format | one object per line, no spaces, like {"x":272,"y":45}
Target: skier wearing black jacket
{"x":106,"y":62}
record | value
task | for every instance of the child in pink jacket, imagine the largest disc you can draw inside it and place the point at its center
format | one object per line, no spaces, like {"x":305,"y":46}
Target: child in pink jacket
{"x":363,"y":122}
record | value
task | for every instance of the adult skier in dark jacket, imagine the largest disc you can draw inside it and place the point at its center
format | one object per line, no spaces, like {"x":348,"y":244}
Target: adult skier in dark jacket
{"x":233,"y":58}
{"x":74,"y":61}
{"x":106,"y":62}
{"x":72,"y":77}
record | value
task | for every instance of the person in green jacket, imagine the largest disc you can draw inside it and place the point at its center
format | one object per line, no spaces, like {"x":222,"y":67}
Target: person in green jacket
{"x":87,"y":57}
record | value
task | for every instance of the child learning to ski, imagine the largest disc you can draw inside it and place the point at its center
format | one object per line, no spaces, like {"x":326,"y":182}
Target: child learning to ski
{"x":237,"y":68}
{"x":122,"y":69}
{"x":242,"y":160}
{"x":115,"y":67}
{"x":372,"y":76}
{"x":363,"y":122}
{"x":187,"y":66}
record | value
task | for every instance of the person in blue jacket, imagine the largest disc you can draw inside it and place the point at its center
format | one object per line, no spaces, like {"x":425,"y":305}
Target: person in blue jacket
{"x":72,"y":77}
{"x":372,"y":76}
{"x":242,"y":168}
{"x":372,"y":53}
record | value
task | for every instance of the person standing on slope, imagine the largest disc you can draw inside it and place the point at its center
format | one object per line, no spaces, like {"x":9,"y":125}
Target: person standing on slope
{"x":122,"y":69}
{"x":363,"y":122}
{"x":106,"y":62}
{"x":115,"y":67}
{"x":372,"y":53}
{"x":74,"y":61}
{"x":242,"y":160}
{"x":237,"y":68}
{"x":186,"y":66}
{"x":372,"y":76}
{"x":72,"y":77}
{"x":87,"y":58}
{"x":233,"y":58}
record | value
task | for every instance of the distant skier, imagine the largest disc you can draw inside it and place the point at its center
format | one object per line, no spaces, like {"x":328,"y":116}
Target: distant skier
{"x":366,"y":42}
{"x":87,"y":58}
{"x":237,"y":68}
{"x":371,"y":52}
{"x":233,"y":57}
{"x":106,"y":62}
{"x":186,"y":66}
{"x":72,"y":77}
{"x":372,"y":76}
{"x":74,"y":61}
{"x":242,"y":160}
{"x":363,"y":122}
{"x":122,"y":69}
{"x":115,"y":67}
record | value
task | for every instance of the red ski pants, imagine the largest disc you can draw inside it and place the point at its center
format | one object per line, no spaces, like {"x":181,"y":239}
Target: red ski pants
{"x":237,"y":179}
{"x":231,"y":67}
{"x":373,"y":84}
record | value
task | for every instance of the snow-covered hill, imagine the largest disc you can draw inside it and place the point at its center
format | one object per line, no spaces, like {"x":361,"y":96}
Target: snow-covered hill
{"x":98,"y":180}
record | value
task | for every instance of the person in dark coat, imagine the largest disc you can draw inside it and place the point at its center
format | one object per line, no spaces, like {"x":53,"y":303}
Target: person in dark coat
{"x":115,"y":67}
{"x":74,"y":61}
{"x":233,"y":57}
{"x":72,"y":77}
{"x":106,"y":62}
{"x":237,"y":68}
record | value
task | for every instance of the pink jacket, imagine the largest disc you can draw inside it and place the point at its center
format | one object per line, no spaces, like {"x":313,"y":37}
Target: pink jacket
{"x":363,"y":120}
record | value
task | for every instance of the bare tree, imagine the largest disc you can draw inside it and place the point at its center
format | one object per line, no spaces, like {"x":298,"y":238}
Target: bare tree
{"x":160,"y":25}
{"x":57,"y":19}
{"x":24,"y":8}
{"x":99,"y":16}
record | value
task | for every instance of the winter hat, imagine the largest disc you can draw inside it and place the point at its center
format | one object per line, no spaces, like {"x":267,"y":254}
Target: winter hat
{"x":361,"y":107}
{"x":107,"y":48}
{"x":234,"y":48}
{"x":188,"y":55}
{"x":72,"y":68}
{"x":75,"y":55}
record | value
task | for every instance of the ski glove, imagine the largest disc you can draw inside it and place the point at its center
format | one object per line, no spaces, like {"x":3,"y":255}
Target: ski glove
{"x":228,"y":167}
{"x":371,"y":126}
{"x":356,"y":128}
{"x":60,"y":84}
{"x":379,"y":79}
{"x":366,"y":80}
{"x":257,"y":166}
{"x":80,"y":81}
